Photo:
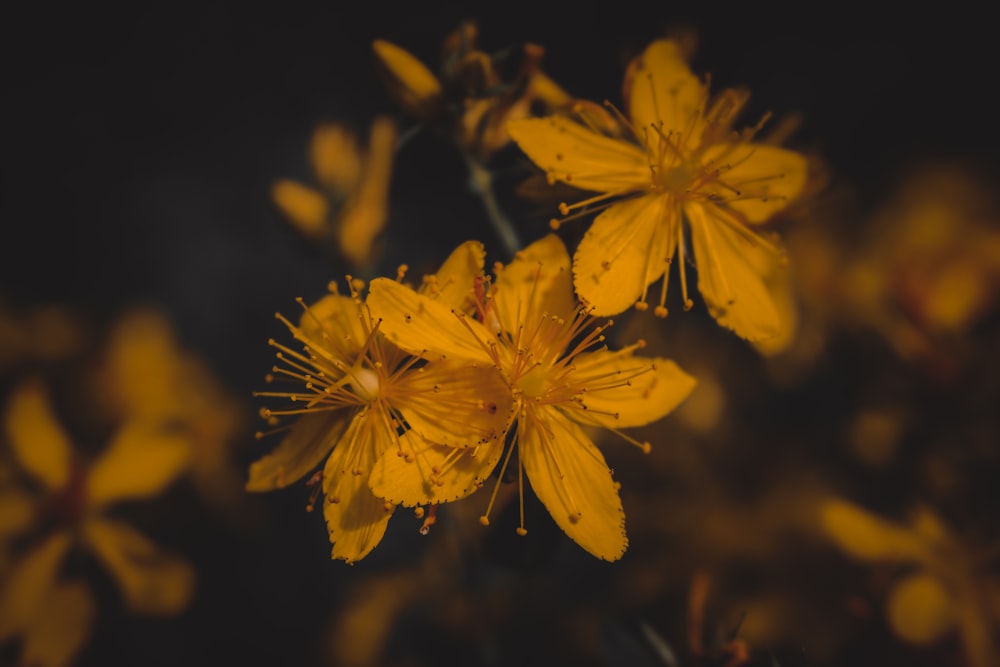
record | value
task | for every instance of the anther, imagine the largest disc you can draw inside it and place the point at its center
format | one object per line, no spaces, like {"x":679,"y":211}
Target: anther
{"x":660,"y":311}
{"x":641,"y":306}
{"x":521,"y":531}
{"x":484,"y":520}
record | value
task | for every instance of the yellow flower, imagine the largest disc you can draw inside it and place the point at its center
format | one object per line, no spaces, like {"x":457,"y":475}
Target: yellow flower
{"x":944,"y":590}
{"x":64,"y":505}
{"x":676,"y":165}
{"x":562,"y":378}
{"x":355,"y":392}
{"x":350,"y":208}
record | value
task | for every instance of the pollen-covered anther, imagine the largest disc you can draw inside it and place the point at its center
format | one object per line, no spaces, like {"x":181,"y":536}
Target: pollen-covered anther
{"x":660,"y":311}
{"x":484,"y":520}
{"x":646,"y":447}
{"x":563,"y":208}
{"x":689,"y":304}
{"x":641,"y":306}
{"x":554,"y":224}
{"x":522,"y":531}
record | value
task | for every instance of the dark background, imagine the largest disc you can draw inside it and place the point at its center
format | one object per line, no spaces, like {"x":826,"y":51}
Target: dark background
{"x":139,"y":143}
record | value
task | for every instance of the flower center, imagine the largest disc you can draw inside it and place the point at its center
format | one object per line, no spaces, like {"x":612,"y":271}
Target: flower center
{"x":365,"y":384}
{"x":676,"y":179}
{"x":533,"y":383}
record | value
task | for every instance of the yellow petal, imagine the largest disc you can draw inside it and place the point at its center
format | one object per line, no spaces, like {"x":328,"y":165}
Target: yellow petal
{"x":627,"y":248}
{"x":355,"y":518}
{"x":28,"y":584}
{"x":728,"y":278}
{"x":536,"y":283}
{"x":453,"y":284}
{"x":139,"y":463}
{"x":454,"y":403}
{"x":334,"y":323}
{"x":757,"y":180}
{"x":866,"y":536}
{"x":423,"y":473}
{"x":414,"y":87}
{"x":36,"y":438}
{"x":423,"y":326}
{"x":921,"y":610}
{"x":662,"y":89}
{"x":62,"y":628}
{"x":578,"y":156}
{"x":640,"y":389}
{"x":336,"y":158}
{"x":17,"y":511}
{"x":307,"y":209}
{"x":367,"y":213}
{"x":142,"y":365}
{"x":569,"y":475}
{"x":310,"y":440}
{"x":151,"y":581}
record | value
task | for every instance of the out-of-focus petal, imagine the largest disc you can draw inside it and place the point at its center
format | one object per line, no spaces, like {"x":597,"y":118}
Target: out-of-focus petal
{"x":151,"y":580}
{"x":28,"y":584}
{"x":408,"y":476}
{"x":866,"y":536}
{"x":569,"y":475}
{"x":62,"y":628}
{"x":920,"y":609}
{"x":336,"y":158}
{"x":140,"y":462}
{"x":310,"y":440}
{"x":640,"y":390}
{"x":728,"y":279}
{"x":355,"y":518}
{"x":627,"y":248}
{"x":579,"y":156}
{"x":36,"y":438}
{"x":307,"y":209}
{"x":414,"y":87}
{"x":18,"y":510}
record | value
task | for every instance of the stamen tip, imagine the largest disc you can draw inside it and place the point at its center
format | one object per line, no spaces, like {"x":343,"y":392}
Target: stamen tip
{"x":641,"y":306}
{"x":484,"y":520}
{"x":554,"y":224}
{"x":660,"y":311}
{"x":522,"y":531}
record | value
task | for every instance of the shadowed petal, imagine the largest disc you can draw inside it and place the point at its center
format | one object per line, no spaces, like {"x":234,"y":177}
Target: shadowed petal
{"x":139,"y":463}
{"x":310,"y":440}
{"x":29,"y":583}
{"x":36,"y":438}
{"x":62,"y":628}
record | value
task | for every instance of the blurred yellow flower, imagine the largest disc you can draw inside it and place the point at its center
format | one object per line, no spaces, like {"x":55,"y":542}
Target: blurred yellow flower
{"x":62,"y":505}
{"x":944,"y":590}
{"x":351,"y":207}
{"x":355,"y":392}
{"x":562,"y":378}
{"x":676,"y":165}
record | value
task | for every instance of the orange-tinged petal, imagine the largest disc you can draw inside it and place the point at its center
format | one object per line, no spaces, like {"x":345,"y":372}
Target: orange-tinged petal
{"x":415,"y":87}
{"x":36,"y":438}
{"x":662,"y":90}
{"x":454,"y":403}
{"x":139,"y":463}
{"x":423,"y":326}
{"x":29,"y":583}
{"x":62,"y":628}
{"x":336,"y":158}
{"x":866,"y":536}
{"x":627,"y":248}
{"x":728,"y":278}
{"x":307,"y":209}
{"x":569,"y":475}
{"x":355,"y":518}
{"x":537,"y":282}
{"x":453,"y":284}
{"x":151,"y":580}
{"x":639,"y":390}
{"x":920,"y":609}
{"x":578,"y":156}
{"x":310,"y":440}
{"x":423,"y":473}
{"x":758,"y":180}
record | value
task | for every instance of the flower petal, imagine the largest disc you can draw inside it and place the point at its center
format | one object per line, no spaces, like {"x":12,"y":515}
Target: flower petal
{"x":310,"y":440}
{"x":62,"y":628}
{"x":151,"y":580}
{"x":139,"y":463}
{"x":415,"y":87}
{"x":627,"y":248}
{"x":18,"y":510}
{"x":29,"y":583}
{"x":334,"y":323}
{"x":36,"y":438}
{"x":639,"y":390}
{"x":452,"y":285}
{"x":569,"y":475}
{"x":578,"y":156}
{"x":537,"y":282}
{"x":423,"y":326}
{"x":867,"y":537}
{"x":766,"y":178}
{"x":728,"y":278}
{"x":408,"y":477}
{"x":921,"y":610}
{"x":662,"y":89}
{"x":336,"y":158}
{"x":454,"y":403}
{"x":307,"y":209}
{"x":355,"y":518}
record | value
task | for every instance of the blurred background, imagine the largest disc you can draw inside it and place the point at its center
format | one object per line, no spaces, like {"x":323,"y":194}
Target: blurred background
{"x":140,"y":146}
